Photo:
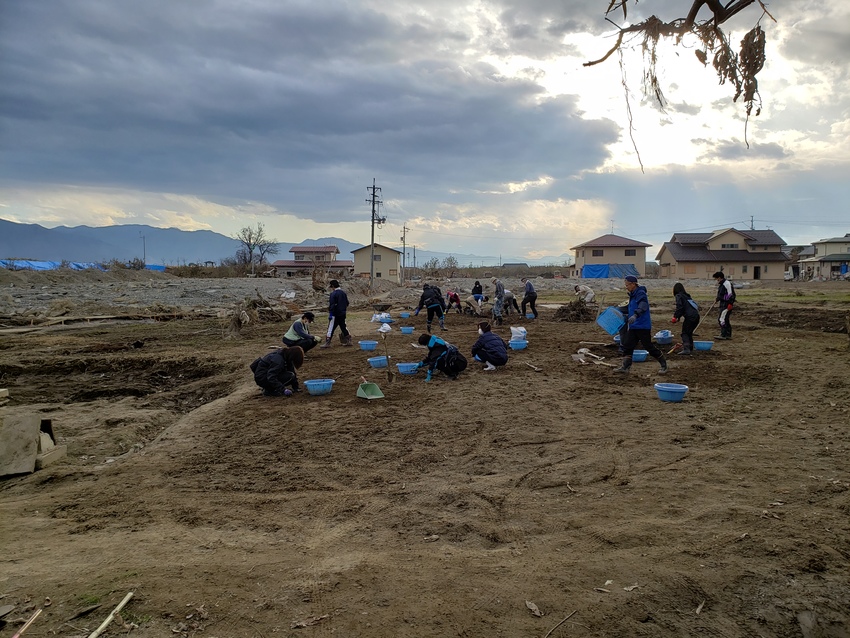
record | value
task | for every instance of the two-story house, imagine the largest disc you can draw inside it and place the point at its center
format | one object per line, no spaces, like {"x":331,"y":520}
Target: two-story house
{"x":830,"y":259}
{"x":305,"y":258}
{"x":387,"y":262}
{"x":740,"y":254}
{"x":610,"y":256}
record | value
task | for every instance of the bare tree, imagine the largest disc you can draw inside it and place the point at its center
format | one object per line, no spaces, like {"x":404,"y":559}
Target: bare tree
{"x":255,"y":240}
{"x":737,"y":69}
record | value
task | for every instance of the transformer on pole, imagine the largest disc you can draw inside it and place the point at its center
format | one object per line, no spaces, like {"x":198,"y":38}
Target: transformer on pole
{"x":375,"y":200}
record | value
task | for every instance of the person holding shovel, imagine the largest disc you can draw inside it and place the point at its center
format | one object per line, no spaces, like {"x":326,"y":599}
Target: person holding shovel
{"x":490,"y":348}
{"x":299,"y":333}
{"x":441,"y":356}
{"x":726,"y":299}
{"x":688,"y":310}
{"x":276,"y":370}
{"x":337,"y":308}
{"x":639,"y":325}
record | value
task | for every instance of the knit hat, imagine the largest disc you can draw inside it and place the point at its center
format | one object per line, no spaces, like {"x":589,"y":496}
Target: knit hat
{"x":484,"y":326}
{"x":631,"y":278}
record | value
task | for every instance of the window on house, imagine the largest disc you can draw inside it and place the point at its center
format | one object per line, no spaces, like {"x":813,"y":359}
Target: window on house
{"x":631,"y":252}
{"x":582,"y":253}
{"x":731,"y":270}
{"x":377,"y":258}
{"x":744,"y":270}
{"x":765,"y":248}
{"x":393,"y":272}
{"x":728,"y":245}
{"x":377,"y":275}
{"x":598,"y":252}
{"x":689,"y":269}
{"x":299,"y":257}
{"x":765,"y":270}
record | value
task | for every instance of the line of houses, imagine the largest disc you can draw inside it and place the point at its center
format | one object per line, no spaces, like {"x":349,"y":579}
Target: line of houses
{"x":741,"y":254}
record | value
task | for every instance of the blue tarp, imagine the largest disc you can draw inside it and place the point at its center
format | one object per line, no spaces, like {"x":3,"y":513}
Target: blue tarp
{"x":31,"y":264}
{"x":604,"y":271}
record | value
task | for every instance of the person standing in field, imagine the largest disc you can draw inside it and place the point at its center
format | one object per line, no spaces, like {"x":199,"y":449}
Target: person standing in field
{"x":499,"y":303}
{"x":726,"y":299}
{"x":686,"y":309}
{"x":337,"y":308}
{"x":432,"y":301}
{"x":639,"y":325}
{"x":530,"y":297}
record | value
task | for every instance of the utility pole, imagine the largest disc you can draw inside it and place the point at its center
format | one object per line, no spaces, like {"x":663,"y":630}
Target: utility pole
{"x":414,"y":257}
{"x":375,"y":200}
{"x":404,"y":230}
{"x":144,"y":249}
{"x":752,"y":227}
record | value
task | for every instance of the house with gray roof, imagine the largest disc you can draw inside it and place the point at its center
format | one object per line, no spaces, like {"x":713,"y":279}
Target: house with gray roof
{"x":829,"y":259}
{"x":740,"y":254}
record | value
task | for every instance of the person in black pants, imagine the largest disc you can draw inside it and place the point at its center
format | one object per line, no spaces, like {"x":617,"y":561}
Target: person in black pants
{"x":725,"y":298}
{"x":337,"y":308}
{"x":639,"y":326}
{"x":432,"y":300}
{"x":299,"y":333}
{"x":276,"y":370}
{"x":530,"y":297}
{"x":687,"y":309}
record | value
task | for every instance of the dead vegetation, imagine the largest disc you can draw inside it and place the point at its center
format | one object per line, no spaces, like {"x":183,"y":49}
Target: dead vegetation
{"x":575,"y":312}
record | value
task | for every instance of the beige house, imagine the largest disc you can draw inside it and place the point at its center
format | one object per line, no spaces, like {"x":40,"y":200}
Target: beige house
{"x":387,"y":262}
{"x":305,"y":258}
{"x":618,"y":253}
{"x":740,"y":254}
{"x":830,"y":259}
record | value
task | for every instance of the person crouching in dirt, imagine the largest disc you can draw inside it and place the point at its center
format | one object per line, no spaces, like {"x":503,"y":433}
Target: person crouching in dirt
{"x":441,"y":356}
{"x":337,"y":307}
{"x":490,"y":348}
{"x":725,"y":299}
{"x":453,"y":301}
{"x":432,"y":301}
{"x":277,"y":370}
{"x":685,"y":308}
{"x":639,"y":325}
{"x":299,"y":333}
{"x":509,"y":301}
{"x":585,"y":292}
{"x":474,"y":305}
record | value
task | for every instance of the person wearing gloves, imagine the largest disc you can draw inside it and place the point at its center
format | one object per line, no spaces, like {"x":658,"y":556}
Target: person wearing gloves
{"x":639,"y":327}
{"x":441,"y":356}
{"x":725,"y":298}
{"x":432,"y":301}
{"x":499,"y":303}
{"x":490,"y":348}
{"x":453,"y":300}
{"x":688,"y":311}
{"x":509,"y":302}
{"x":529,"y":297}
{"x":299,"y":333}
{"x":337,"y":308}
{"x":277,"y":370}
{"x":585,"y":292}
{"x":475,"y":305}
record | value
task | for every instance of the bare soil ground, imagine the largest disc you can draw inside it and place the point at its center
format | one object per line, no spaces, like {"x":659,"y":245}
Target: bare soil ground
{"x":452,"y":508}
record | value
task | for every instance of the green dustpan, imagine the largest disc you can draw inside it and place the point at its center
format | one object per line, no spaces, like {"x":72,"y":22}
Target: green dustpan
{"x":368,"y":390}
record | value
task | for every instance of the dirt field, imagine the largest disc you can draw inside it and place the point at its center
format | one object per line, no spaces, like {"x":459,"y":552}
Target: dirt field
{"x":452,"y":508}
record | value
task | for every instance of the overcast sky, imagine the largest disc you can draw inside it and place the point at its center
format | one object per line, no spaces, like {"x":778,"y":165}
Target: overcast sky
{"x":477,"y":120}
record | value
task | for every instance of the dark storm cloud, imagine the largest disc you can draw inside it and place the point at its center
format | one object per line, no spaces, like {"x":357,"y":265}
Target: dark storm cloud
{"x":292,"y":105}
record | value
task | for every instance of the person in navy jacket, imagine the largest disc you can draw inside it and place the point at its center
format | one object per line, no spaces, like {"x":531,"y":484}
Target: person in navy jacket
{"x":639,"y":327}
{"x":490,"y":348}
{"x":337,"y":309}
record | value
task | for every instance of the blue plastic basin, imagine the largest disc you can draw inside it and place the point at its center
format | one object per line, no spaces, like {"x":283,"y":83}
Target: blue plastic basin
{"x":368,"y":345}
{"x":404,"y":315}
{"x":671,"y":392}
{"x":516,"y":344}
{"x":639,"y":356}
{"x":407,"y":330}
{"x":317,"y":387}
{"x":611,"y":320}
{"x":408,"y":368}
{"x":377,"y":362}
{"x":703,"y":345}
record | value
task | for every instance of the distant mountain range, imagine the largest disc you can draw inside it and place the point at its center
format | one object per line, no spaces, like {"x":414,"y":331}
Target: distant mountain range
{"x":170,"y":246}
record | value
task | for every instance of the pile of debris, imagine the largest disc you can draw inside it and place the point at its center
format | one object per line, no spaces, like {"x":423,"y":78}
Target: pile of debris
{"x":575,"y":312}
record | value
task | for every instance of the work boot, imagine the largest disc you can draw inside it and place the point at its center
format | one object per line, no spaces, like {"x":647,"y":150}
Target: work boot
{"x":327,"y":343}
{"x":625,"y":367}
{"x":663,"y":363}
{"x":684,"y":351}
{"x":347,"y":340}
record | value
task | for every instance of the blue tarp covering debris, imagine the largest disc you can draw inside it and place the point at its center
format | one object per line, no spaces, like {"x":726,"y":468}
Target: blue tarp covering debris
{"x":31,"y":264}
{"x":605,"y":271}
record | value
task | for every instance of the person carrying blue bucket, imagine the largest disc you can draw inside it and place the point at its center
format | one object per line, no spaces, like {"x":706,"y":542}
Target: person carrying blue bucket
{"x":638,"y":327}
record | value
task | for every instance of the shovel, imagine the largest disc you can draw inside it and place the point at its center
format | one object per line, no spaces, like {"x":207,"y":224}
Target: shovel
{"x":368,"y":390}
{"x":705,"y":315}
{"x":390,"y":373}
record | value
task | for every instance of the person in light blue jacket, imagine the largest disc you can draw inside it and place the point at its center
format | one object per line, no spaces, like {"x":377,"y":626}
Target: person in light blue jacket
{"x":639,"y":327}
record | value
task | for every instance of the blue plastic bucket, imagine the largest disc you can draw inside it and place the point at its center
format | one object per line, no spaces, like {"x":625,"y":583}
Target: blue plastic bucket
{"x":517,"y":344}
{"x":611,"y":320}
{"x":318,"y":387}
{"x":377,"y":362}
{"x":404,"y":315}
{"x":368,"y":345}
{"x":407,"y":330}
{"x":703,"y":345}
{"x":639,"y":356}
{"x":408,"y":368}
{"x":671,"y":392}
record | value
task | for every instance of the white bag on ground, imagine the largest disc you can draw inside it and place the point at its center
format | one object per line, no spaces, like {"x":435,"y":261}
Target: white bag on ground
{"x":520,"y":334}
